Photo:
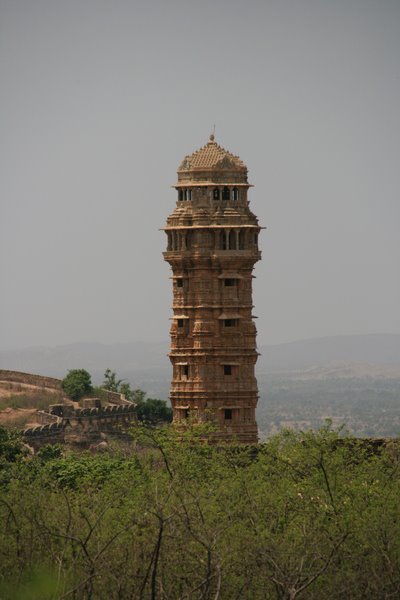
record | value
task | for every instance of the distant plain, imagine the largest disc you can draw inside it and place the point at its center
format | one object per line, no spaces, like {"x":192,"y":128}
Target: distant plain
{"x":352,"y":380}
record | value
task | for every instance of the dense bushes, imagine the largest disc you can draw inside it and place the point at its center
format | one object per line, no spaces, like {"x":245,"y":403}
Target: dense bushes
{"x":77,"y":384}
{"x":308,"y":516}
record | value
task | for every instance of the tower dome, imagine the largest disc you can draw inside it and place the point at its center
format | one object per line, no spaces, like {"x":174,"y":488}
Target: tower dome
{"x":211,"y":164}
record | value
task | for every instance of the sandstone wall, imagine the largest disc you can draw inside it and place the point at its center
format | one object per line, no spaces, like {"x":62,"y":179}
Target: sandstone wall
{"x":53,"y":383}
{"x":30,"y":379}
{"x":81,"y":426}
{"x":114,"y":397}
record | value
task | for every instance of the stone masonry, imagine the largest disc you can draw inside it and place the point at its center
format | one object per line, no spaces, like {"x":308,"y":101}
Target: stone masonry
{"x":212,"y":248}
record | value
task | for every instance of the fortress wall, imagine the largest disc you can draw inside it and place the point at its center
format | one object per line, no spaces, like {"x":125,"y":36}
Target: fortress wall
{"x":44,"y":418}
{"x":114,"y":397}
{"x":53,"y":383}
{"x":81,"y":426}
{"x":30,"y":379}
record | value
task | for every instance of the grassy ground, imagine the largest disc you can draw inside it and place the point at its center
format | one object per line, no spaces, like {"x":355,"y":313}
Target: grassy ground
{"x":19,"y":403}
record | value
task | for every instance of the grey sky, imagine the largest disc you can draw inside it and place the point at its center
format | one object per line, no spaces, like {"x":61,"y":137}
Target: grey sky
{"x":101,"y":100}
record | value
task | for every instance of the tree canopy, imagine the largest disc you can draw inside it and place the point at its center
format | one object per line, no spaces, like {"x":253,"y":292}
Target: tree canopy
{"x":77,"y":383}
{"x":307,"y":515}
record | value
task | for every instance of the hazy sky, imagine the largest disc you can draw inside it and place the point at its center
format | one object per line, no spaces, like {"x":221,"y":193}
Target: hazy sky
{"x":101,"y":100}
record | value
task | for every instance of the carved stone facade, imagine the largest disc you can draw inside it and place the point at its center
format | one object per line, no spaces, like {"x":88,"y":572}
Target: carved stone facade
{"x":212,"y":249}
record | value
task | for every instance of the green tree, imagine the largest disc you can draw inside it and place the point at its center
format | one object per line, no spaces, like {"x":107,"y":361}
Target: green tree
{"x":77,"y":383}
{"x":49,"y":452}
{"x":149,"y":410}
{"x":125,"y":389}
{"x":111,"y":382}
{"x":117,"y":385}
{"x":11,"y":447}
{"x":138,"y":396}
{"x":154,"y":411}
{"x":305,"y":516}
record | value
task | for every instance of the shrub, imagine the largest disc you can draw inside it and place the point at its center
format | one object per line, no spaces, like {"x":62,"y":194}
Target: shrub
{"x":77,"y":383}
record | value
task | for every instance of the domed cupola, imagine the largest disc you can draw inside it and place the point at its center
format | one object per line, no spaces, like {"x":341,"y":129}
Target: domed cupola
{"x":212,"y":164}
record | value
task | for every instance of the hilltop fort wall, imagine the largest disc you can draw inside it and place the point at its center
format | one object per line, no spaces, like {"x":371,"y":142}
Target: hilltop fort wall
{"x":82,"y":426}
{"x":30,"y":379}
{"x":66,"y":423}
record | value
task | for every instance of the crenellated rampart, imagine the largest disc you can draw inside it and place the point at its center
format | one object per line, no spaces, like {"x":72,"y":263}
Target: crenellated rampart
{"x":66,"y":423}
{"x":83,"y":426}
{"x":114,"y":397}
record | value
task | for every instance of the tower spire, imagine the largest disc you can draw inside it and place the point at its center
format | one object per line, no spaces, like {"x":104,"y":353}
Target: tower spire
{"x":212,"y":135}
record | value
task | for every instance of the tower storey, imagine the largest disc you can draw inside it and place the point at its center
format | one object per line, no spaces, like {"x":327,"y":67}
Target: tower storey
{"x":212,"y":249}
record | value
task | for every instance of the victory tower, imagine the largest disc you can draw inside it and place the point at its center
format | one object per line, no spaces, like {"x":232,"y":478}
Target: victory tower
{"x":212,"y":249}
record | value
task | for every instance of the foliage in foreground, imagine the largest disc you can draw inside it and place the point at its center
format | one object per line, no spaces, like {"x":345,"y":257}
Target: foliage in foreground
{"x":309,"y":516}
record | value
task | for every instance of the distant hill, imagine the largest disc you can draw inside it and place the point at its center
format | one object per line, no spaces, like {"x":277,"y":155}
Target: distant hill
{"x":150,"y":359}
{"x":379,"y":349}
{"x":139,"y":362}
{"x":352,"y":379}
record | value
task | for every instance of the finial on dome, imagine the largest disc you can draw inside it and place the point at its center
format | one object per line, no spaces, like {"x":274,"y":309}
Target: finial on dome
{"x":212,"y":135}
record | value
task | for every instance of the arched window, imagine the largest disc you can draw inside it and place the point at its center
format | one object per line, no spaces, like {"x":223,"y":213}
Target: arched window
{"x":180,"y":195}
{"x":232,"y":240}
{"x":189,"y":195}
{"x":216,"y":194}
{"x":235,"y":194}
{"x":225,"y":193}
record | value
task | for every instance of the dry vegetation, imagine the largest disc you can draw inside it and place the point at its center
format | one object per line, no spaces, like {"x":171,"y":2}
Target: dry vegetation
{"x":19,"y":403}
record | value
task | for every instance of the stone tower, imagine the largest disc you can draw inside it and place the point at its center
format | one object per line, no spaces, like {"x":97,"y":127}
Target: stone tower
{"x":212,"y":249}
